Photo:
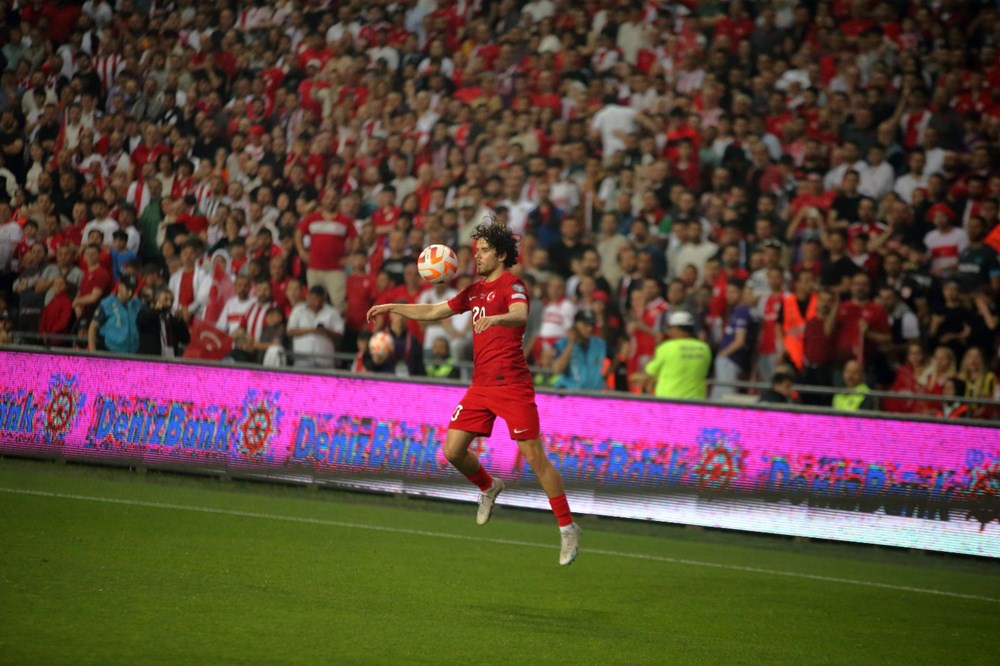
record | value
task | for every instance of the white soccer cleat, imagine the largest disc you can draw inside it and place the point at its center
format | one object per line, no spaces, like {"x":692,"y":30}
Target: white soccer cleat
{"x":570,"y":544}
{"x":487,"y":500}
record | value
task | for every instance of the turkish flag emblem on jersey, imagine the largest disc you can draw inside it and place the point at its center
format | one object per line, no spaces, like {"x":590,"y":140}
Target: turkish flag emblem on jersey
{"x":207,"y":341}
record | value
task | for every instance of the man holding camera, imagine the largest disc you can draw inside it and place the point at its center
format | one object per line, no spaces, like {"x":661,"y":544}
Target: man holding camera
{"x":161,"y":332}
{"x":315,"y":327}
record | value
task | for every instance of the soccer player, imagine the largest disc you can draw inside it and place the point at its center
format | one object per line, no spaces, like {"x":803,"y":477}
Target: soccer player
{"x":501,"y":381}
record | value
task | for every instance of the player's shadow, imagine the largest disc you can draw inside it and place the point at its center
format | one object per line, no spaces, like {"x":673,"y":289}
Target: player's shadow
{"x":592,"y":622}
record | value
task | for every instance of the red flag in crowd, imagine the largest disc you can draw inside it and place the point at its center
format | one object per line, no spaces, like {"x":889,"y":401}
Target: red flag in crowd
{"x":207,"y":341}
{"x":222,"y":289}
{"x":60,"y":140}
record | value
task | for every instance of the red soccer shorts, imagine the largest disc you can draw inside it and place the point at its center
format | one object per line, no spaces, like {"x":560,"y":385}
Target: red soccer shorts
{"x":514,"y":403}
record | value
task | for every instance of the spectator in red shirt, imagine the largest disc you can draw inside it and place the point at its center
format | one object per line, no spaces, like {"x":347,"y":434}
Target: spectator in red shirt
{"x":94,"y":285}
{"x":193,"y":222}
{"x":810,"y":193}
{"x":862,"y":326}
{"x":908,"y":381}
{"x":386,"y":216}
{"x":685,"y":166}
{"x":278,"y":273}
{"x":545,"y":95}
{"x":735,"y":27}
{"x":941,"y":368}
{"x":332,"y":236}
{"x":818,"y":346}
{"x":360,"y":295}
{"x":57,"y":317}
{"x":150,"y":150}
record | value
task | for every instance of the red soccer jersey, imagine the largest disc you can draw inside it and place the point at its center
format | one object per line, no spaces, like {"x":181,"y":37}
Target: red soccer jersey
{"x":871,"y":230}
{"x":498,"y":353}
{"x":185,"y":294}
{"x":144,"y":153}
{"x":385,"y":219}
{"x":99,"y":278}
{"x":769,"y":331}
{"x":848,"y":335}
{"x":360,"y":297}
{"x":328,"y":239}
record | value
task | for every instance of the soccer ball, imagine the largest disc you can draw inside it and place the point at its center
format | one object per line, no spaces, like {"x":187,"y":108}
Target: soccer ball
{"x":437,"y":263}
{"x":380,"y":344}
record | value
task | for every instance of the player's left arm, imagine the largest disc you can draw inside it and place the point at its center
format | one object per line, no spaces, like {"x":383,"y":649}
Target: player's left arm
{"x":516,"y":315}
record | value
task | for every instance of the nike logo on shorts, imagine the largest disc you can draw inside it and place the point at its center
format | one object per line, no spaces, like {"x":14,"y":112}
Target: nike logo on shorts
{"x":519,"y":431}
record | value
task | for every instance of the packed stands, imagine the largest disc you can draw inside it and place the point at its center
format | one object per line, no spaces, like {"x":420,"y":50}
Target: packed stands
{"x":816,"y":182}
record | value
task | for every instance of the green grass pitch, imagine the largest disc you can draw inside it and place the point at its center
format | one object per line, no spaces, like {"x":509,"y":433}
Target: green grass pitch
{"x":105,"y":566}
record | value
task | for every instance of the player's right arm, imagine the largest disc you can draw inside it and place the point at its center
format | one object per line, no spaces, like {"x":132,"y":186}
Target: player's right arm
{"x":417,"y":311}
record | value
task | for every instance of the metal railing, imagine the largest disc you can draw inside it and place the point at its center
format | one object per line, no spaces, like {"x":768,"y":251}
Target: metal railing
{"x":343,"y":361}
{"x":878,"y":395}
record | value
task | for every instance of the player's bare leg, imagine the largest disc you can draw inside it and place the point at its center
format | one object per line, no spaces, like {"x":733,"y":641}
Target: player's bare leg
{"x":548,"y":476}
{"x":551,"y":481}
{"x":456,"y":450}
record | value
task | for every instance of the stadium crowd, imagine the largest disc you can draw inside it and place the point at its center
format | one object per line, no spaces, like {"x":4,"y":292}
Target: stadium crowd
{"x":813,"y":183}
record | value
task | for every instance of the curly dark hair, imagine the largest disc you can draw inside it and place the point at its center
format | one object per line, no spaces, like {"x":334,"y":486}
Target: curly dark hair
{"x":500,"y":238}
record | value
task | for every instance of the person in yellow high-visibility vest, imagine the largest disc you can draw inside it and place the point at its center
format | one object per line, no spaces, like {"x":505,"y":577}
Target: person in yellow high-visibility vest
{"x":680,"y":364}
{"x":856,"y":396}
{"x":440,"y":362}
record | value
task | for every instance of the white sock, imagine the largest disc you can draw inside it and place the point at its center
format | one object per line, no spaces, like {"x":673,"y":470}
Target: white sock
{"x":566,"y":528}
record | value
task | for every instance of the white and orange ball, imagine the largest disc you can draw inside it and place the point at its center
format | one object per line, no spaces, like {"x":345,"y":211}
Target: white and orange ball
{"x":380,"y":345}
{"x":437,"y":263}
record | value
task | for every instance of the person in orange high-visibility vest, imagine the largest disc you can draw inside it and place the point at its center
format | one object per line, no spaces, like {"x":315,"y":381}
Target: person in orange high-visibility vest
{"x":798,"y":307}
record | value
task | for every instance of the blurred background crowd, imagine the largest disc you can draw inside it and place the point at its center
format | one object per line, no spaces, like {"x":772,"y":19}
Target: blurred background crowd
{"x":813,"y":182}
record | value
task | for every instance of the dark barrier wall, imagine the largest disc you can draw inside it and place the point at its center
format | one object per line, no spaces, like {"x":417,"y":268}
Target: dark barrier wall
{"x":893,"y":482}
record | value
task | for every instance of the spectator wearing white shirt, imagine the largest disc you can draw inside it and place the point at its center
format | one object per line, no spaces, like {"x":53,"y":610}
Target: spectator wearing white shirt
{"x":106,"y":225}
{"x":563,"y":192}
{"x":631,"y":36}
{"x":933,"y":153}
{"x":346,"y":25}
{"x":315,"y":327}
{"x":945,"y":242}
{"x":126,"y":223}
{"x":8,"y":181}
{"x":517,"y":208}
{"x":557,"y":315}
{"x":10,"y":236}
{"x":190,"y":283}
{"x":403,"y":183}
{"x":611,"y":124}
{"x":381,"y":50}
{"x":903,"y":322}
{"x":539,"y":9}
{"x":694,"y":250}
{"x":236,"y":307}
{"x":851,"y":162}
{"x":100,"y":12}
{"x":877,"y":180}
{"x":916,"y":177}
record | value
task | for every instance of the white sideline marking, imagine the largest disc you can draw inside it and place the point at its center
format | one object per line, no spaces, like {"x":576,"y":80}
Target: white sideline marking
{"x":506,"y":542}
